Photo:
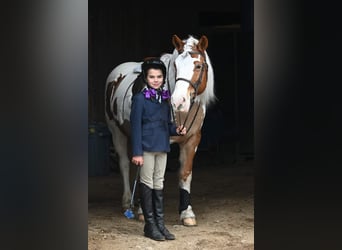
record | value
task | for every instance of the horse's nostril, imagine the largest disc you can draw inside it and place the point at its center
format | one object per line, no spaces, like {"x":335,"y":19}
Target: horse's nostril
{"x":180,"y":107}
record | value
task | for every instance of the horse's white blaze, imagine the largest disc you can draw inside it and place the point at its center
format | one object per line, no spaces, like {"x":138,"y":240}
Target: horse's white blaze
{"x":180,"y":99}
{"x":185,"y":68}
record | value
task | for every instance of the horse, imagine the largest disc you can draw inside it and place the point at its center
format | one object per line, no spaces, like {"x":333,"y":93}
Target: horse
{"x":190,"y":80}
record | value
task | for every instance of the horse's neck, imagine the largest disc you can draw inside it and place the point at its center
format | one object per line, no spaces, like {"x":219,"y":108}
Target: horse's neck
{"x":168,"y":60}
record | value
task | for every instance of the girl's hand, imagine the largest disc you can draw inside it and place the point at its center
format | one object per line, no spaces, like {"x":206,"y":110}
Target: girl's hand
{"x":181,"y":130}
{"x":138,"y":160}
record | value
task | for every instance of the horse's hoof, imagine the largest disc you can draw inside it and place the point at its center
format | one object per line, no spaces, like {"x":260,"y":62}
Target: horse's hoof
{"x":189,"y":222}
{"x":141,"y":217}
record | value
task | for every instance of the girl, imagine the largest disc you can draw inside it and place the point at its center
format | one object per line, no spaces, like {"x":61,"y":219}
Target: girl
{"x":151,"y":127}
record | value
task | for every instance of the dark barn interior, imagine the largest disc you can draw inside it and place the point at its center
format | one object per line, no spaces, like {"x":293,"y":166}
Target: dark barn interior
{"x":130,"y":31}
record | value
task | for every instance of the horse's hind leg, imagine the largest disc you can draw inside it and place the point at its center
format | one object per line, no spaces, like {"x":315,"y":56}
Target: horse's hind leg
{"x":120,"y":146}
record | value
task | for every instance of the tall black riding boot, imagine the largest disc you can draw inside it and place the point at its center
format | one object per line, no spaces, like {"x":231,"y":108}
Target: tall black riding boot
{"x":150,"y":229}
{"x":159,"y":214}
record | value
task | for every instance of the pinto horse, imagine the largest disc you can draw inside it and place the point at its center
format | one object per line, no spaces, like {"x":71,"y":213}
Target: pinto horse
{"x":190,"y":79}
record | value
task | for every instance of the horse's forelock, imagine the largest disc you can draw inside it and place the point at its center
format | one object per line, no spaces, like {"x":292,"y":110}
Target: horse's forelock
{"x":190,"y":44}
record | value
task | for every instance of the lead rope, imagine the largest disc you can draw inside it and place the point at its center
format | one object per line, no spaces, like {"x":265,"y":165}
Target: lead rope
{"x":193,"y":119}
{"x":198,"y":106}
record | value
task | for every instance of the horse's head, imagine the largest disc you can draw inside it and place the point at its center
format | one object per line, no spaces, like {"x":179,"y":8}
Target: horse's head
{"x":191,"y":72}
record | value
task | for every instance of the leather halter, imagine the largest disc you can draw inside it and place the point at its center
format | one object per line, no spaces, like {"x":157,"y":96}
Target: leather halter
{"x":195,"y":86}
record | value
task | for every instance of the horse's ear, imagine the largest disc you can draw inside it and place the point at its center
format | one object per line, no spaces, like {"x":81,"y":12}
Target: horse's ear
{"x":178,"y":43}
{"x":203,"y":43}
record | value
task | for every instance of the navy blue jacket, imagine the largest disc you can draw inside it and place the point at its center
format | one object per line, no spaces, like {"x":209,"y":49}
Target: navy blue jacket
{"x":151,"y":125}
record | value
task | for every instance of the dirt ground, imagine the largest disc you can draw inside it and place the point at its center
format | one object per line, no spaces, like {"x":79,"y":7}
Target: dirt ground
{"x":222,"y":199}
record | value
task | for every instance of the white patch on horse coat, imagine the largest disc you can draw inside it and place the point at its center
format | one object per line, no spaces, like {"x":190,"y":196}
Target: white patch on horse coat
{"x":123,"y":94}
{"x":188,"y":213}
{"x":190,"y":42}
{"x":185,"y":69}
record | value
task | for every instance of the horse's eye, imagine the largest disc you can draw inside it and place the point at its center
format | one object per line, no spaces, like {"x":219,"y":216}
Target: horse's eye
{"x":198,"y":66}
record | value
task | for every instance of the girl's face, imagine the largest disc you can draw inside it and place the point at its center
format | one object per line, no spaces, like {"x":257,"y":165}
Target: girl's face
{"x":155,"y":78}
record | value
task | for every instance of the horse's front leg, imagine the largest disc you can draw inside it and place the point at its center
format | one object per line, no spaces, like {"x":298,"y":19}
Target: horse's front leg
{"x":186,"y":157}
